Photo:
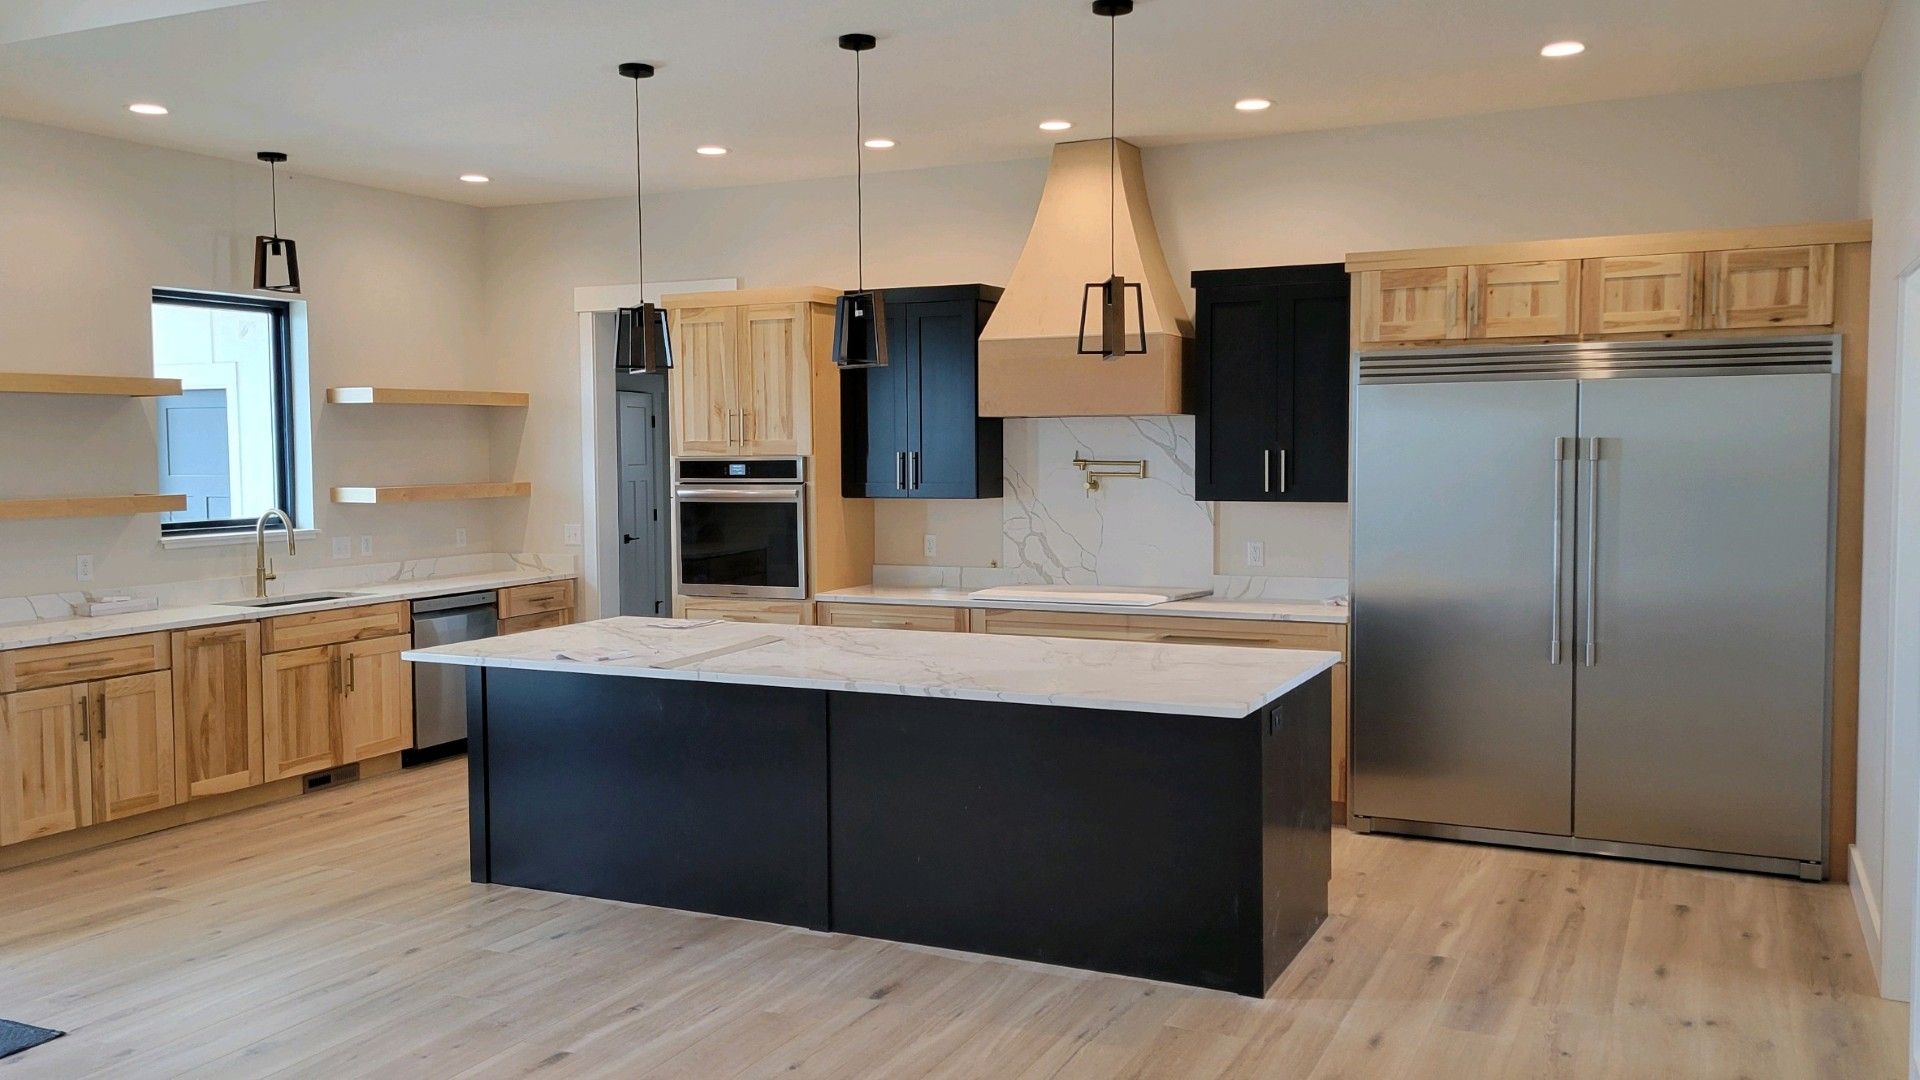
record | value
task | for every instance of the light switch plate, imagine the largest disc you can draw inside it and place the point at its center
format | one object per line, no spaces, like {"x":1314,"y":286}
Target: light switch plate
{"x":343,"y":547}
{"x":366,"y":545}
{"x":459,"y":538}
{"x":1256,"y":553}
{"x":572,"y":534}
{"x":83,"y":568}
{"x":929,"y":545}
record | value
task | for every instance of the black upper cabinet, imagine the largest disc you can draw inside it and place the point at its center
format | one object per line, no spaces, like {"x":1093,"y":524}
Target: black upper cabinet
{"x":1271,"y":384}
{"x":912,"y":429}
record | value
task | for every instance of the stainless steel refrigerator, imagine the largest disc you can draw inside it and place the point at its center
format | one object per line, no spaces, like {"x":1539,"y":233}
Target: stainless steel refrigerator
{"x":1592,"y":595}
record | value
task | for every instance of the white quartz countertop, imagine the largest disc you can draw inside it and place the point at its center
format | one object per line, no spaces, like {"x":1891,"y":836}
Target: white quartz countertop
{"x":1188,"y":680}
{"x":180,"y":617}
{"x":1200,"y":607}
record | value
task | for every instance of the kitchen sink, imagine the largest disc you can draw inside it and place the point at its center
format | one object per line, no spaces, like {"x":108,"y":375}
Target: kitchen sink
{"x":284,"y":601}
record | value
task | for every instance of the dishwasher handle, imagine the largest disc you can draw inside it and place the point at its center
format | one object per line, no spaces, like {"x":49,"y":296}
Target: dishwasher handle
{"x":450,"y":603}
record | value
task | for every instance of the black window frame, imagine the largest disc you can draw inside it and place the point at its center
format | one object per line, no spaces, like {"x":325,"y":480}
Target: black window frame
{"x":281,"y":313}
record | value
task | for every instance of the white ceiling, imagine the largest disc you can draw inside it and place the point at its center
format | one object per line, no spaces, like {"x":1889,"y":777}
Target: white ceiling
{"x":408,"y":94}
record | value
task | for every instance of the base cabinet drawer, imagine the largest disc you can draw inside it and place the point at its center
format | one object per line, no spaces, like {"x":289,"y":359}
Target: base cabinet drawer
{"x":1067,"y":624}
{"x":538,"y":599}
{"x":537,"y":621}
{"x":783,"y":612}
{"x":81,"y":661}
{"x":308,"y":629}
{"x":892,"y":617}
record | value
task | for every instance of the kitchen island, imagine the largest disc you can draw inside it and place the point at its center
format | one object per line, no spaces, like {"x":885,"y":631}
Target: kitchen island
{"x":1136,"y":808}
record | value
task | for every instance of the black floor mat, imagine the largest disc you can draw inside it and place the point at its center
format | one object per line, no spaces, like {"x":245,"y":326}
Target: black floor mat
{"x":17,"y":1037}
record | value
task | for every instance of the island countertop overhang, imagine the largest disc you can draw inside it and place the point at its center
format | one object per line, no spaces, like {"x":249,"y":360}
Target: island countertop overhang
{"x":1191,"y":680}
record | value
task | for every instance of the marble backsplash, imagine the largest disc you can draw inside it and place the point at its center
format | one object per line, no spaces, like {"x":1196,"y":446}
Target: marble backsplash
{"x":17,"y":609}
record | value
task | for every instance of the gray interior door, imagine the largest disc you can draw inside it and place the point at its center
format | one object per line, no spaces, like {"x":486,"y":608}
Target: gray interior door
{"x":643,"y":511}
{"x":1702,"y":720}
{"x":191,"y":428}
{"x":1462,"y":714}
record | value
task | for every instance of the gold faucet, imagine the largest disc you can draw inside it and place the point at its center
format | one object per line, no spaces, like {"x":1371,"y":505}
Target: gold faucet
{"x":262,"y":566}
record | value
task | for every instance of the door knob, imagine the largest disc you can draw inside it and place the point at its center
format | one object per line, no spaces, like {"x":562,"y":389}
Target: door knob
{"x":625,"y":539}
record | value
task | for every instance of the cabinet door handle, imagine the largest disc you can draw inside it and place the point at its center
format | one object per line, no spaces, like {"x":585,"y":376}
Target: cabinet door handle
{"x":900,"y":470}
{"x":913,"y":463}
{"x":745,"y":418}
{"x":1266,"y":470}
{"x":1283,"y":472}
{"x":346,"y":665}
{"x":86,"y":723}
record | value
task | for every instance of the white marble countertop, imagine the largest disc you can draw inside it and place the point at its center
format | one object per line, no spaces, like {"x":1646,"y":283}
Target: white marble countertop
{"x":1201,"y":607}
{"x":180,"y":617}
{"x":1188,"y":680}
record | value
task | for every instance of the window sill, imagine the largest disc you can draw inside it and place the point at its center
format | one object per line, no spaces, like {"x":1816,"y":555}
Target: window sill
{"x":233,"y":538}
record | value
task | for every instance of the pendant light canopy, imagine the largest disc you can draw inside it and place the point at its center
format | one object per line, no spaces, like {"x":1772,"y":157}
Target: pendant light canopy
{"x":276,"y":265}
{"x":860,"y":316}
{"x":1114,"y":292}
{"x":641,"y":343}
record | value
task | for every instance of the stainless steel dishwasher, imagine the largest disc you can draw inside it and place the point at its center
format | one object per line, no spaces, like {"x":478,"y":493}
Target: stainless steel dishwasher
{"x":440,"y":690}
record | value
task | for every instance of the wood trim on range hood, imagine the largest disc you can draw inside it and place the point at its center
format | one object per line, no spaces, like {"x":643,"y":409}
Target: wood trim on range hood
{"x":1029,"y":360}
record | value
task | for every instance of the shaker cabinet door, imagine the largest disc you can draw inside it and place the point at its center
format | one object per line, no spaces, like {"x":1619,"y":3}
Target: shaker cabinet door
{"x":133,"y":759}
{"x":216,"y":694}
{"x":46,"y":779}
{"x":705,"y":344}
{"x":300,"y":733}
{"x":1791,"y":286}
{"x":771,"y":387}
{"x":376,"y":704}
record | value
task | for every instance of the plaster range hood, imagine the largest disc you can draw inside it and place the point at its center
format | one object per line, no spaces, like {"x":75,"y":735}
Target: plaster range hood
{"x":1030,"y":363}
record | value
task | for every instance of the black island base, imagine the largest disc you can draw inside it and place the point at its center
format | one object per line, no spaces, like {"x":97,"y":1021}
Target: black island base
{"x":1188,"y":849}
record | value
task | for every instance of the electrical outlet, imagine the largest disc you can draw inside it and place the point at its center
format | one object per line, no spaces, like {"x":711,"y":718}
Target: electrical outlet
{"x":366,"y":545}
{"x":929,"y":545}
{"x":459,"y":538}
{"x":83,"y":568}
{"x":343,"y":547}
{"x":572,"y":534}
{"x":1256,"y":553}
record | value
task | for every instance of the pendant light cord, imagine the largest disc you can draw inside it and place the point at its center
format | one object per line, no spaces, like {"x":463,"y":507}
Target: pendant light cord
{"x":273,"y":187}
{"x":859,"y":183}
{"x":639,"y":201}
{"x":1113,"y":145}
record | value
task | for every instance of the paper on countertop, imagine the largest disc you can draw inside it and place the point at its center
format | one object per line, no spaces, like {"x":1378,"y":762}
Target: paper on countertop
{"x":596,"y":654}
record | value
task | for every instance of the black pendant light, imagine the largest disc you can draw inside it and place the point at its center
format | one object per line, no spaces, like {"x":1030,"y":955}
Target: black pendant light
{"x":1113,"y":292}
{"x":276,"y":266}
{"x":860,"y":316}
{"x":641,"y":344}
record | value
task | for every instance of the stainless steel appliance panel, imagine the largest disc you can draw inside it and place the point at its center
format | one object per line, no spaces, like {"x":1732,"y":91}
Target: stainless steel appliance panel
{"x":1701,"y":711}
{"x":440,"y":690}
{"x":1462,"y":705}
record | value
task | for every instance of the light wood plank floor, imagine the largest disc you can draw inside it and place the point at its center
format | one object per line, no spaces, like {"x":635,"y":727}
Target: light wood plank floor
{"x":336,"y":935}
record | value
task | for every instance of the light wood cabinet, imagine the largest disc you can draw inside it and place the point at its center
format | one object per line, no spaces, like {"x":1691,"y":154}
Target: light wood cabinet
{"x":216,"y":706}
{"x":46,"y":774}
{"x":1422,"y":304}
{"x":742,"y":379}
{"x":1524,"y":299}
{"x":1627,"y":294}
{"x":362,"y":623}
{"x":299,"y":729}
{"x":1784,"y":286}
{"x":538,"y":621}
{"x":79,"y":661}
{"x":706,"y":347}
{"x":893,"y":616}
{"x":132,"y":745}
{"x":376,"y":704}
{"x":335,"y":704}
{"x":784,"y":612}
{"x":547,"y":596}
{"x":1030,"y":623}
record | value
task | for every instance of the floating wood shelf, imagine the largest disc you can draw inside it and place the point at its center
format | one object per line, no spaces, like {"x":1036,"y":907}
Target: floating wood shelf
{"x":77,"y":506}
{"x":410,"y":493}
{"x":29,"y":382}
{"x":391,"y":395}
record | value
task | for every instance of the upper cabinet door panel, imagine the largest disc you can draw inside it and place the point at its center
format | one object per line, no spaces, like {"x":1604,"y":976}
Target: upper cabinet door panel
{"x":943,"y":407}
{"x":1790,"y":286}
{"x":1423,"y":304}
{"x":1625,"y":294}
{"x":1525,"y":299}
{"x":46,"y":782}
{"x":1242,"y":357}
{"x":772,"y":387}
{"x":705,"y":345}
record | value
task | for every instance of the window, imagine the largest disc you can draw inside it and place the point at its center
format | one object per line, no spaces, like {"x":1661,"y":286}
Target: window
{"x":226,"y":442}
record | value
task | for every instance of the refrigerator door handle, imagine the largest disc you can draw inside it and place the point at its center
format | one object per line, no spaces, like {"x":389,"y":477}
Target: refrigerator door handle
{"x":1593,"y":550}
{"x":1559,"y":543}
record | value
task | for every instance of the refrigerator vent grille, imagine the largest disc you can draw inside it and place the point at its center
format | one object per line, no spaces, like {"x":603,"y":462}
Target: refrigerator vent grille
{"x":1605,"y":360}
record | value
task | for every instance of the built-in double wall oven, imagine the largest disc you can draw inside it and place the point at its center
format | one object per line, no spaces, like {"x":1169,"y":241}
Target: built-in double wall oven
{"x":743,"y":527}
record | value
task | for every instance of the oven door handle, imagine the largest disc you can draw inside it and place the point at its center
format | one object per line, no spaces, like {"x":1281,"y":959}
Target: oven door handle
{"x":739,"y":493}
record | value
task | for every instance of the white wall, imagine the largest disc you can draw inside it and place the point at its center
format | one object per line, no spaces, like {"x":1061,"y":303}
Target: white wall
{"x":88,"y":226}
{"x":1755,"y":155}
{"x":1885,"y":849}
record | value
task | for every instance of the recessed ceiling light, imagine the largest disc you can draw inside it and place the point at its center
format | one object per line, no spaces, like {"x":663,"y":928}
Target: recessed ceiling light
{"x":878,"y":144}
{"x":710,"y":151}
{"x":147,"y":108}
{"x":1252,"y":104}
{"x":1563,"y":48}
{"x":1055,"y":125}
{"x":474,"y":178}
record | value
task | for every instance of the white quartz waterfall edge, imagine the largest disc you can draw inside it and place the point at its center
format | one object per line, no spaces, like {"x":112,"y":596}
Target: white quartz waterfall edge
{"x":1132,"y":676}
